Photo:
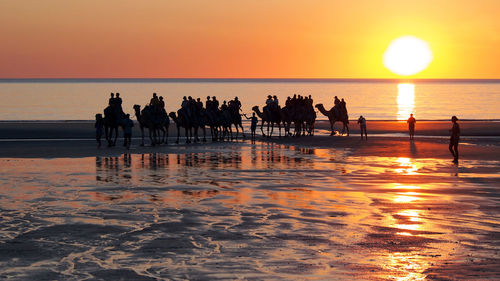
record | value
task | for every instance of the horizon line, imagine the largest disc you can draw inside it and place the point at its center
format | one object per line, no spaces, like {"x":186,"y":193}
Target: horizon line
{"x":135,"y":79}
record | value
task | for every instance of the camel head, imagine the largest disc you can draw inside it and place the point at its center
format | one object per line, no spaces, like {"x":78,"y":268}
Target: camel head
{"x":172,"y":115}
{"x":319,"y":105}
{"x":137,"y":108}
{"x":255,"y":108}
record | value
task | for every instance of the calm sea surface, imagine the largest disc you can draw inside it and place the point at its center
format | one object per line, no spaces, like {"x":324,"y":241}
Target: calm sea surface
{"x":80,"y":100}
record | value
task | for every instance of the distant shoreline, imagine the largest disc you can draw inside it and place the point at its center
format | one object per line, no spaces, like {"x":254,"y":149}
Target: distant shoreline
{"x":242,"y":80}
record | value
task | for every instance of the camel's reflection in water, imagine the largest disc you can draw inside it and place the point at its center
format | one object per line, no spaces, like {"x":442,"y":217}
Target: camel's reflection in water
{"x":158,"y":168}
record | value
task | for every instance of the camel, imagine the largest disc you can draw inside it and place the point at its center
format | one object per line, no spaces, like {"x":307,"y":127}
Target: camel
{"x":111,"y":123}
{"x":287,"y":119}
{"x":146,"y":120}
{"x":199,"y":121}
{"x":270,"y":119}
{"x":211,"y":120}
{"x":236,"y":121}
{"x":310,"y":119}
{"x":334,"y":116}
{"x":182,"y":120}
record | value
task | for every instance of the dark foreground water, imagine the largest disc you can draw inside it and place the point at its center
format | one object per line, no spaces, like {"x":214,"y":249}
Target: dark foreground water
{"x":261,"y":211}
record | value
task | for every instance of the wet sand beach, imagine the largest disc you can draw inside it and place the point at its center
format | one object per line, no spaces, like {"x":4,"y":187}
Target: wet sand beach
{"x":310,"y":208}
{"x":85,"y":129}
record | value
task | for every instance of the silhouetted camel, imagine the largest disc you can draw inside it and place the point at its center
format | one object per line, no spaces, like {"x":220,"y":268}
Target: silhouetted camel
{"x":334,"y":115}
{"x":111,"y":123}
{"x":182,"y":120}
{"x":270,"y":118}
{"x":236,"y":120}
{"x":147,"y":120}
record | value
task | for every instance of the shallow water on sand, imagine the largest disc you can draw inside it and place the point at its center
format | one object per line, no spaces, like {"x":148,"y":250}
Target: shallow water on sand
{"x":245,"y":210}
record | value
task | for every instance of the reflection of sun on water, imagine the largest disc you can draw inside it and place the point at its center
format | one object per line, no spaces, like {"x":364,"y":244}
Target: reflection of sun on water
{"x":406,"y":100}
{"x":406,"y":166}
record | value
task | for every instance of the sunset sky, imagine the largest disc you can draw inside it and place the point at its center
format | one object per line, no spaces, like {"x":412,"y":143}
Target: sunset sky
{"x":242,"y":39}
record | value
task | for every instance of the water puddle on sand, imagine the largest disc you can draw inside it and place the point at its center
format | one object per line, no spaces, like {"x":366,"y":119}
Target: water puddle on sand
{"x":245,"y":210}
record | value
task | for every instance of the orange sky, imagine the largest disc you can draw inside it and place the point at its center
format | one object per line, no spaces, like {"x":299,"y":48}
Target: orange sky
{"x":244,"y":39}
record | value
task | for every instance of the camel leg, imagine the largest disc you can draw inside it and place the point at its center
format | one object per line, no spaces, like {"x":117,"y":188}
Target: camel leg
{"x":204,"y":134}
{"x":178,"y":133}
{"x":151,"y":132}
{"x":347,"y":127}
{"x":270,"y":135}
{"x":262,"y":128}
{"x":188,"y":140}
{"x":116,"y":136}
{"x":242,"y":130}
{"x":331,"y":127}
{"x":142,"y":135}
{"x":166,"y":132}
{"x":106,"y":135}
{"x":163,"y":134}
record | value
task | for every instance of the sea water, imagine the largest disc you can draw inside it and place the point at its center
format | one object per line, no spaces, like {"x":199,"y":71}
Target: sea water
{"x":76,"y":99}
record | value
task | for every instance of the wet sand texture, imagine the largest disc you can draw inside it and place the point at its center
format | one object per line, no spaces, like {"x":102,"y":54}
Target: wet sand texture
{"x":249,"y":211}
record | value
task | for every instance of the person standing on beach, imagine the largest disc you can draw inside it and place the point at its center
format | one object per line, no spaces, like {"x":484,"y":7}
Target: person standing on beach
{"x":455,"y":137}
{"x":411,"y":126}
{"x":127,"y":128}
{"x":253,"y":126}
{"x":362,"y":126}
{"x":99,"y":128}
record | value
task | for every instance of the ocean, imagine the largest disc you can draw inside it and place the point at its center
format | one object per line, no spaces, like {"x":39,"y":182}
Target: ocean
{"x":81,"y":99}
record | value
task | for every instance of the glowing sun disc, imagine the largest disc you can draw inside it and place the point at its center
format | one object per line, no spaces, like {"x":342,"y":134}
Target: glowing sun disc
{"x":407,"y":55}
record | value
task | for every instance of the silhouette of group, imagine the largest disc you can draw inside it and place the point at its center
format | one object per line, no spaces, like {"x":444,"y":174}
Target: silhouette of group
{"x":220,"y":117}
{"x":298,"y":110}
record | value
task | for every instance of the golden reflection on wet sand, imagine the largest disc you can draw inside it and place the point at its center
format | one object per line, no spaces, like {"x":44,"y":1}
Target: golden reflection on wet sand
{"x":260,"y":210}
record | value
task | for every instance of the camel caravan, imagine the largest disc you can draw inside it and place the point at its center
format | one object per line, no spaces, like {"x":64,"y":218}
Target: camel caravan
{"x":194,"y":116}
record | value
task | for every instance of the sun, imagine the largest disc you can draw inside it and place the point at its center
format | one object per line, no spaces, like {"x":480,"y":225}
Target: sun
{"x":407,"y":55}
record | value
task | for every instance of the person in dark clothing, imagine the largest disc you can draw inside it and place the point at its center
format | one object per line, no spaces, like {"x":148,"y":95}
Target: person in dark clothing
{"x":199,"y":105}
{"x":161,"y":103}
{"x":336,"y":100}
{"x":128,"y":131}
{"x":99,"y":128}
{"x":253,"y":126}
{"x":118,"y":105}
{"x":111,"y":101}
{"x":411,"y":126}
{"x":362,"y":126}
{"x":208,"y":104}
{"x":237,"y":103}
{"x":454,"y":139}
{"x":215,"y":103}
{"x":154,"y":102}
{"x":223,"y":107}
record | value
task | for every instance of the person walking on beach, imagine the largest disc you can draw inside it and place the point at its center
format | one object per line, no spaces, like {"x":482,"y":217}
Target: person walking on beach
{"x":128,"y":131}
{"x":362,"y":126}
{"x":99,"y":128}
{"x":411,"y":126}
{"x":455,"y":137}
